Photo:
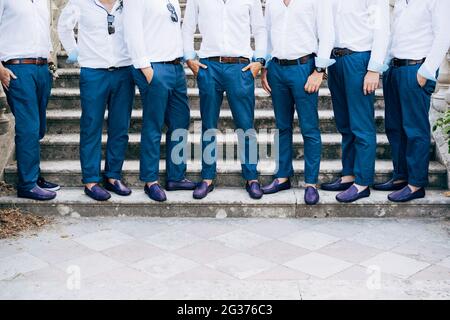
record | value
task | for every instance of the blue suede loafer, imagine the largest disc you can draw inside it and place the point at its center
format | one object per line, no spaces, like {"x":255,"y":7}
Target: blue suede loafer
{"x":118,"y":188}
{"x":43,"y":184}
{"x":406,"y":195}
{"x":352,"y":194}
{"x":254,"y":190}
{"x":336,"y":185}
{"x":202,"y":190}
{"x":390,"y":186}
{"x":97,"y":193}
{"x":311,"y":196}
{"x":155,"y":192}
{"x":37,"y":193}
{"x":276,"y":186}
{"x":180,"y":185}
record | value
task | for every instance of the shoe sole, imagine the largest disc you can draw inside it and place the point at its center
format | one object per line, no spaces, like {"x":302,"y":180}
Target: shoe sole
{"x":351,"y":201}
{"x":53,"y":189}
{"x":273,"y":192}
{"x":404,"y":201}
{"x":180,"y":189}
{"x":390,"y":189}
{"x":24,"y":197}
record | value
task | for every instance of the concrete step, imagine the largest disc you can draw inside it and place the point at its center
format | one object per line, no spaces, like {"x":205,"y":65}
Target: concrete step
{"x":69,"y":98}
{"x":68,"y":172}
{"x":66,"y":146}
{"x":68,"y":121}
{"x":223,"y":203}
{"x":70,"y":78}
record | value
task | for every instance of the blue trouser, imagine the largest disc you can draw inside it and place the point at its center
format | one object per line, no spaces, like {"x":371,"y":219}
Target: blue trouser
{"x":99,"y":89}
{"x":28,"y":98}
{"x":288,"y":94}
{"x":407,"y":123}
{"x":165,"y":101}
{"x":354,"y":116}
{"x":239,"y":87}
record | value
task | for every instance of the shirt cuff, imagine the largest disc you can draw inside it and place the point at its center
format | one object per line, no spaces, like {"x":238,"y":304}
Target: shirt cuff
{"x":377,"y":67}
{"x":191,"y":55}
{"x":141,"y":63}
{"x":259,"y":55}
{"x":324,"y":63}
{"x":426,"y":74}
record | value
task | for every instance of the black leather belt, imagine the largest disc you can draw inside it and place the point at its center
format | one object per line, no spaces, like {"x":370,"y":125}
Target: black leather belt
{"x":35,"y":61}
{"x":176,"y":61}
{"x":229,"y":60}
{"x":115,"y":68}
{"x":406,"y":62}
{"x":341,"y":52}
{"x":302,"y":60}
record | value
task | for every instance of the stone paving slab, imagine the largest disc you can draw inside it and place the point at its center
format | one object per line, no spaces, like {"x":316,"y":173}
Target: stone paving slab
{"x":169,"y":258}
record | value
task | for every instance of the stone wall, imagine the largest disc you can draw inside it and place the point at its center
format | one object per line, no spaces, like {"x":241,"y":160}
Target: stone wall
{"x":440,"y":104}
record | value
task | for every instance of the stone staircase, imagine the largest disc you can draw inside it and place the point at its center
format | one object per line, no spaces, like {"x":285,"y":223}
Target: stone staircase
{"x":60,"y":163}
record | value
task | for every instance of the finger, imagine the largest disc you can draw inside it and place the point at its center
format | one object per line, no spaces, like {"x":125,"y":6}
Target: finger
{"x":365,"y":88}
{"x":12,"y":74}
{"x":203,"y":66}
{"x":247,"y":68}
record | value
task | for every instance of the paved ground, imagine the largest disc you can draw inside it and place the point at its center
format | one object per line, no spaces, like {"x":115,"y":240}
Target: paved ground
{"x":143,"y":258}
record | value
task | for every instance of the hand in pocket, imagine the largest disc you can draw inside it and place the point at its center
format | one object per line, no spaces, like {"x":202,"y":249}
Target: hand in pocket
{"x":148,"y":73}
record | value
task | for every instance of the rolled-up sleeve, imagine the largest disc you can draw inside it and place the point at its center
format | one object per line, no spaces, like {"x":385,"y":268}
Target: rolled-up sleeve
{"x":441,"y":42}
{"x":66,"y":23}
{"x":190,"y":22}
{"x":133,"y":18}
{"x":381,"y":35}
{"x":259,"y":30}
{"x":326,"y":33}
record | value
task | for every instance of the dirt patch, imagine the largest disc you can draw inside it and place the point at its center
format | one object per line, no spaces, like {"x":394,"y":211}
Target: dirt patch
{"x":13,"y":222}
{"x":6,"y":189}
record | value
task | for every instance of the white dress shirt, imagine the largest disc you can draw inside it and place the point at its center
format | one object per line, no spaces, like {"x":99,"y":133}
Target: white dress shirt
{"x":421,"y":29}
{"x":96,"y":47}
{"x":150,"y":33}
{"x":302,"y":28}
{"x":24,"y":29}
{"x":363,"y":25}
{"x":226,"y":28}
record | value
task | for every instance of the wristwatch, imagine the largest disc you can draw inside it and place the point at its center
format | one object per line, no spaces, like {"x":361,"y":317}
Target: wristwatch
{"x":320,"y":70}
{"x":262,"y":61}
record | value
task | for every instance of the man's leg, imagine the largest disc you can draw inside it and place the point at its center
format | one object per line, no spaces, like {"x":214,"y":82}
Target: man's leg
{"x":240,"y":89}
{"x":23,"y":101}
{"x":154,"y":102}
{"x":342,"y":117}
{"x":307,"y":109}
{"x":283,"y":106}
{"x":393,"y":123}
{"x":361,"y":114}
{"x":120,"y":105}
{"x":177,"y":119}
{"x":95,"y":90}
{"x":415,"y":105}
{"x":211,"y":97}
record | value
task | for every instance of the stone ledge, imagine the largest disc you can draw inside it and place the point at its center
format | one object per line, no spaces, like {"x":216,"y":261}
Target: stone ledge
{"x":224,"y":203}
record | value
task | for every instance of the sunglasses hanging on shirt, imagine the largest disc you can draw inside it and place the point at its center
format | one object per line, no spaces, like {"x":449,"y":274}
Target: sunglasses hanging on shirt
{"x":173,"y":12}
{"x":110,"y":18}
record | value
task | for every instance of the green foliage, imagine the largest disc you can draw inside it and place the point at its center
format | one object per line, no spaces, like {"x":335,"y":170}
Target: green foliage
{"x":444,"y":124}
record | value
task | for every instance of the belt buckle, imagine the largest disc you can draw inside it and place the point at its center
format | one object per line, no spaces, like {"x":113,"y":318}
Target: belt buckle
{"x":110,"y":69}
{"x":220,"y":59}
